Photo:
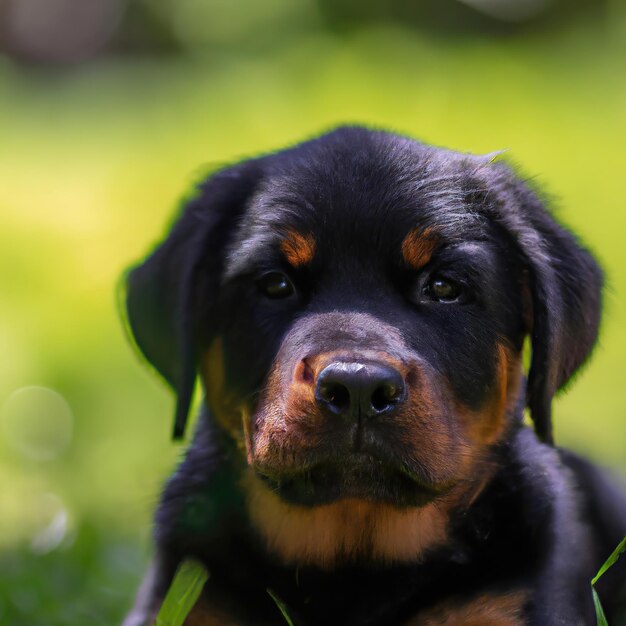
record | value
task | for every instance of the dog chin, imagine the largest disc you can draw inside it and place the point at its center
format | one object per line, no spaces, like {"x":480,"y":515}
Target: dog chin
{"x":368,"y":481}
{"x":313,"y":525}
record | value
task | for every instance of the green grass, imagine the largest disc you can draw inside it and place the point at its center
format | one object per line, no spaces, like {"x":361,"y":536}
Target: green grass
{"x":281,"y":607}
{"x":615,"y":555}
{"x":182,"y":594}
{"x":599,"y":610}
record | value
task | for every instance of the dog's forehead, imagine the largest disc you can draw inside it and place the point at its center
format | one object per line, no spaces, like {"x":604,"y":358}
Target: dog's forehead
{"x":374,"y":193}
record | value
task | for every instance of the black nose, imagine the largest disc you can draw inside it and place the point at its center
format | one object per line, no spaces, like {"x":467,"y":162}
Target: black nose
{"x":359,"y":389}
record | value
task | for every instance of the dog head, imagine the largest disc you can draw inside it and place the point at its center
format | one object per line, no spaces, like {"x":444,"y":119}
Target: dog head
{"x":356,"y":308}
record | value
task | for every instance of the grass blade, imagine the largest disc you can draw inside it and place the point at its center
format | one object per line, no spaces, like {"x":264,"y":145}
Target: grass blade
{"x":599,"y":612}
{"x":281,"y":605}
{"x":182,"y":594}
{"x":611,"y":560}
{"x":607,"y":564}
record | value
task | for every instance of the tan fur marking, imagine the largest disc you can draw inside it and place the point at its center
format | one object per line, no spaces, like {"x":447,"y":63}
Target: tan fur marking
{"x":486,"y":426}
{"x":505,"y":609}
{"x":289,"y":421}
{"x":346,"y":530}
{"x":418,"y":246}
{"x":225,"y":409}
{"x":298,"y":249}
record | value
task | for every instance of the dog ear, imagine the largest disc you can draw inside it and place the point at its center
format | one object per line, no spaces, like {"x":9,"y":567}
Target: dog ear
{"x":565,"y":284}
{"x":163,"y":293}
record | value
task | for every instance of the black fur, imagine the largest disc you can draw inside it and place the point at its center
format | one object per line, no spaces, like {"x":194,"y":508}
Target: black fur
{"x":545,"y":519}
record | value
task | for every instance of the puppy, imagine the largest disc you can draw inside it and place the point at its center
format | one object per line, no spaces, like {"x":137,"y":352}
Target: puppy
{"x":356,"y":309}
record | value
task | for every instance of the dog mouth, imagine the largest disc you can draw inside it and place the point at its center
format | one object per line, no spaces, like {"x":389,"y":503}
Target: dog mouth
{"x":362,"y":477}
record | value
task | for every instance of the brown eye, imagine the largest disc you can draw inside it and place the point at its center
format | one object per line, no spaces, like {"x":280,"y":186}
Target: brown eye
{"x":275,"y":285}
{"x":443,"y":289}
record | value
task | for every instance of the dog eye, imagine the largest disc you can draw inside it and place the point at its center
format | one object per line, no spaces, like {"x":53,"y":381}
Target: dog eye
{"x":275,"y":285}
{"x":443,"y":289}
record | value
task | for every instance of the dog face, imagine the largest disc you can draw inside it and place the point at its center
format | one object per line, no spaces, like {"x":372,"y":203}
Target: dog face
{"x":356,"y":308}
{"x":368,"y":344}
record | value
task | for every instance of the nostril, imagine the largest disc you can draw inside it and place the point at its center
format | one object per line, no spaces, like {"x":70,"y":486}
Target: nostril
{"x":336,"y":396}
{"x":385,"y":396}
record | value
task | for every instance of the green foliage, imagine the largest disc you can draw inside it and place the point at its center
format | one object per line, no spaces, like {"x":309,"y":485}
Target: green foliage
{"x":599,"y":610}
{"x":182,"y":594}
{"x":88,"y":580}
{"x":621,"y":548}
{"x":606,"y":565}
{"x":281,"y":606}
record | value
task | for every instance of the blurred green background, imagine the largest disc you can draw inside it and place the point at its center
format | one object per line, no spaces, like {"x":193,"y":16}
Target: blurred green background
{"x":110,"y":110}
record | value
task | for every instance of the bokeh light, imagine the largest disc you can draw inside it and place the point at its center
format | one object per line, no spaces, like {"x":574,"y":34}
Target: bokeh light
{"x":54,"y":526}
{"x":37,"y":422}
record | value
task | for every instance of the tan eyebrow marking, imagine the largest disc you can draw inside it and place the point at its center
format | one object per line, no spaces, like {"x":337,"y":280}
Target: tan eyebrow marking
{"x":298,"y":249}
{"x":418,"y":246}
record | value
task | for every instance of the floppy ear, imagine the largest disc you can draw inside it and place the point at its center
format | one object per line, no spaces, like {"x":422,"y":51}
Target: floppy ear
{"x":566,"y":284}
{"x":163,"y":293}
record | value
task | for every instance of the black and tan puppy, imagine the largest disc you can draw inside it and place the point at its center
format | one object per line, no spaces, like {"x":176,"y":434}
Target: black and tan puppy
{"x":356,"y":308}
